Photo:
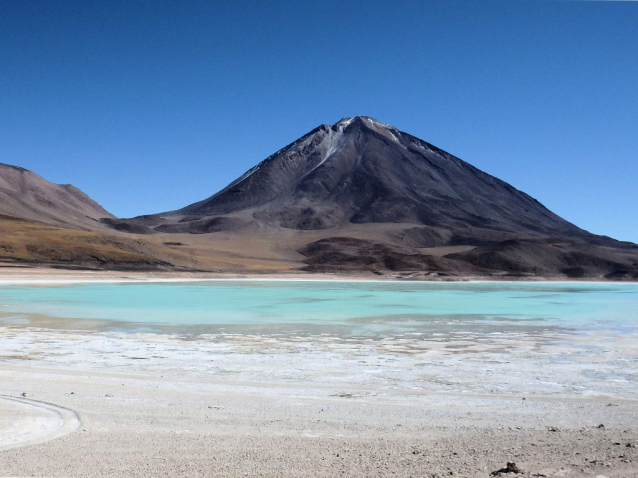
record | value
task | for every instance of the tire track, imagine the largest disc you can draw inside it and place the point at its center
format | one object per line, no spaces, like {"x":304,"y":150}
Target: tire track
{"x":27,"y":422}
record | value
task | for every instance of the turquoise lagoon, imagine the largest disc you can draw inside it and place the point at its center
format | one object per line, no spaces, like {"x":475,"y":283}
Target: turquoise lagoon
{"x":324,"y":307}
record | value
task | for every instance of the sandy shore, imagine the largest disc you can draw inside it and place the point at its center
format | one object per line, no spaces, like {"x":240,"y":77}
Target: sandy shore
{"x":89,"y":402}
{"x":27,"y":274}
{"x":12,"y":274}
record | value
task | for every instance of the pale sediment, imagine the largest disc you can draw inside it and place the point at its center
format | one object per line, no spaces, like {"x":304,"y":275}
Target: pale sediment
{"x":240,"y":404}
{"x":27,"y":422}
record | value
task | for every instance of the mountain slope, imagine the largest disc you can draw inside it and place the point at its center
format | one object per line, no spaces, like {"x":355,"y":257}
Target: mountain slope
{"x":36,"y":243}
{"x":42,"y":223}
{"x":410,"y":197}
{"x":363,"y":171}
{"x":26,"y":195}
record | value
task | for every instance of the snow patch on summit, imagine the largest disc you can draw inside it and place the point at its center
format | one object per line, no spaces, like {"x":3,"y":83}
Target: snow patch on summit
{"x":378,"y":123}
{"x":345,"y":122}
{"x":386,"y":128}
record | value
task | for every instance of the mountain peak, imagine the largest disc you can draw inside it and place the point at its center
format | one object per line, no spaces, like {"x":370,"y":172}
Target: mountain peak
{"x":368,"y":120}
{"x":27,"y":195}
{"x":363,"y":195}
{"x":363,"y":171}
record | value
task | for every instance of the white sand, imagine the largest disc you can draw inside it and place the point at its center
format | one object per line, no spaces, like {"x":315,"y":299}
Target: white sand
{"x":27,"y":422}
{"x":27,"y":275}
{"x":235,"y":405}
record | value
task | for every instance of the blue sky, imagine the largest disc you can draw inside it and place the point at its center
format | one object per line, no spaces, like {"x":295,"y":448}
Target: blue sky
{"x":151,"y":105}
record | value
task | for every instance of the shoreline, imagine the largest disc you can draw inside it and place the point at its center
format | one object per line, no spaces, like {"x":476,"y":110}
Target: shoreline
{"x":10,"y":275}
{"x":556,"y":401}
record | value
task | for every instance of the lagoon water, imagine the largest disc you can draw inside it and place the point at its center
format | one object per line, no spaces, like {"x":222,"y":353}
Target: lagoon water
{"x":325,"y":307}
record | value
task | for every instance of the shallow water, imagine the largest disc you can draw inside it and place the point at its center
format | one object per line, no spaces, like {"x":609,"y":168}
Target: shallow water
{"x":342,"y":308}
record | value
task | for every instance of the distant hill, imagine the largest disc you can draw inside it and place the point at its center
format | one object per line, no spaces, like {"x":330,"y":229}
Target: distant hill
{"x":46,"y":223}
{"x":362,"y":195}
{"x":28,"y":196}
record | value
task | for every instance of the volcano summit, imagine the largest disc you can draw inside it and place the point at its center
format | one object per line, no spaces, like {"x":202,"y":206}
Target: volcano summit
{"x":362,"y":171}
{"x":361,"y":194}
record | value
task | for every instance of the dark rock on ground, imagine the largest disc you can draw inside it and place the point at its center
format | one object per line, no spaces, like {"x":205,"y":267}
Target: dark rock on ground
{"x":509,"y":468}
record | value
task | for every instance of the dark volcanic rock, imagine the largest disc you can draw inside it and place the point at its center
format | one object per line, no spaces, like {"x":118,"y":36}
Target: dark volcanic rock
{"x":409,"y":195}
{"x":127,"y":226}
{"x":362,"y":171}
{"x":574,"y":260}
{"x":204,"y":226}
{"x":509,"y":468}
{"x":346,"y":253}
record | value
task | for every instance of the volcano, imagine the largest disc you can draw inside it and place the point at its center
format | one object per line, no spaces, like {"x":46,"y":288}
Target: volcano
{"x":360,"y":170}
{"x":408,"y":194}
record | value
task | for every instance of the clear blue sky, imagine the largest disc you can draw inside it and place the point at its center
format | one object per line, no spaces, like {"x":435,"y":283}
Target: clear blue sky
{"x":151,"y":105}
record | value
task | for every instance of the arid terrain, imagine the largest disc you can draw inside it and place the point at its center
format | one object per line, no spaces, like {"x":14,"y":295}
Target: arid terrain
{"x":137,"y":405}
{"x":358,"y":196}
